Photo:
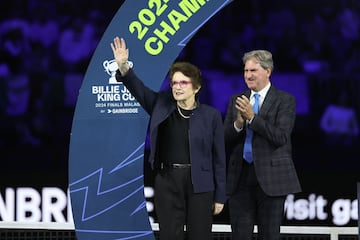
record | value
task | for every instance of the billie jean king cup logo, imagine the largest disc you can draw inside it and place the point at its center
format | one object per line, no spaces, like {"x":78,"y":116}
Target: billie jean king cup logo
{"x":111,"y":67}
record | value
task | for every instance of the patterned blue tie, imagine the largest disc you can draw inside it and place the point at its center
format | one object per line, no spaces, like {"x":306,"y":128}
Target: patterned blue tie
{"x":248,"y":156}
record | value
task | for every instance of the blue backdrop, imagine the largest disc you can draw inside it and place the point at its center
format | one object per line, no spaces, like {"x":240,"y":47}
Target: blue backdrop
{"x":109,"y":126}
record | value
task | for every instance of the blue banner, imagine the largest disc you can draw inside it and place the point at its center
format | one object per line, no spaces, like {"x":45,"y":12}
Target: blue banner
{"x":109,"y":126}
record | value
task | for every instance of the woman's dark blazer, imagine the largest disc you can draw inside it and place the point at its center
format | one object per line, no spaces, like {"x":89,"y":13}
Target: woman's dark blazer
{"x":206,"y":135}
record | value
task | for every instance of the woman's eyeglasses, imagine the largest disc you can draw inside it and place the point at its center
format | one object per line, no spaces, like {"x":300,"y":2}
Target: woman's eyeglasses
{"x":182,"y":83}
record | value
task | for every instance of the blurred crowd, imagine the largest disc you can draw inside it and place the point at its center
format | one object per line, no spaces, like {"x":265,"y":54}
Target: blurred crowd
{"x":317,"y":38}
{"x":45,"y":47}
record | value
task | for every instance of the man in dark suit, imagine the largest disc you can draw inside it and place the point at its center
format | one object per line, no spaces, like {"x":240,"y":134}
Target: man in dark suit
{"x":261,"y":174}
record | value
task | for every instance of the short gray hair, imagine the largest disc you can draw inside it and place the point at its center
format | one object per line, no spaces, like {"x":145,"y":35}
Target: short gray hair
{"x":263,"y":57}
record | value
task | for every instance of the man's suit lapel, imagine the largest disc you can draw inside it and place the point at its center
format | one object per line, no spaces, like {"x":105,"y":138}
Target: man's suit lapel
{"x":268,"y":101}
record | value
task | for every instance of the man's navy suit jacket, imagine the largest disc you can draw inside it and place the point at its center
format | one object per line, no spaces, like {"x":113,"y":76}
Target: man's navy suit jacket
{"x":272,"y":149}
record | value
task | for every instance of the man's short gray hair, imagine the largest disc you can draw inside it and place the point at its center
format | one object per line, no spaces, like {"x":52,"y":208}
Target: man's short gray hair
{"x":263,"y":57}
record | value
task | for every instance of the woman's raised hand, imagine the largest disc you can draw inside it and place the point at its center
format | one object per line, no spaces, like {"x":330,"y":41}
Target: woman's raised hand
{"x":121,"y":54}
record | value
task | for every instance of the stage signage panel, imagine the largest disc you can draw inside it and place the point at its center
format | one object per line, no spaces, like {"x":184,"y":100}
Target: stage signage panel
{"x":106,"y":180}
{"x":358,"y":197}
